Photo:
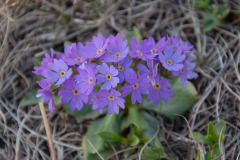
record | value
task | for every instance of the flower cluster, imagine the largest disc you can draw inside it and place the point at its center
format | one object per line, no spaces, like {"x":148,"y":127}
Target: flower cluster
{"x":106,"y":70}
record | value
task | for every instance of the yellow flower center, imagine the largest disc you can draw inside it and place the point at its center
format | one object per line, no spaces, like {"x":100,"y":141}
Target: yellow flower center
{"x":111,"y":98}
{"x":62,"y":73}
{"x":154,"y":50}
{"x":169,"y":62}
{"x":120,"y":68}
{"x":108,"y":77}
{"x":75,"y":91}
{"x":90,"y":80}
{"x":99,"y":51}
{"x":157,"y":86}
{"x":135,"y":86}
{"x":183,"y":70}
{"x":139,"y":53}
{"x":117,"y":54}
{"x":78,"y":59}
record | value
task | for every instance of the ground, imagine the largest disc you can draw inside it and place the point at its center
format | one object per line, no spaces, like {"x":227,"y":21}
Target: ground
{"x":29,"y":28}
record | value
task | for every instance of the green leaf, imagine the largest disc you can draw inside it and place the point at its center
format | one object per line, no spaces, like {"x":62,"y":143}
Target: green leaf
{"x":133,"y":140}
{"x":201,"y":4}
{"x":137,"y":34}
{"x":109,"y":123}
{"x":153,"y":153}
{"x":209,"y":21}
{"x":134,"y":118}
{"x":29,"y":98}
{"x":112,"y":137}
{"x":199,"y":137}
{"x":220,"y":127}
{"x":85,"y":113}
{"x":184,"y":98}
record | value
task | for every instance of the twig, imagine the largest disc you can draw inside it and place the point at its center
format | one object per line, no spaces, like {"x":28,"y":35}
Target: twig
{"x":47,"y":128}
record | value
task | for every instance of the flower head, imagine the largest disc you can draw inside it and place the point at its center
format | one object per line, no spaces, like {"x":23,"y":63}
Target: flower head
{"x":151,"y":71}
{"x":86,"y":78}
{"x":159,"y":47}
{"x":171,"y":60}
{"x":142,"y":50}
{"x":117,"y":48}
{"x":59,"y":72}
{"x":73,"y":93}
{"x":160,"y":88}
{"x":96,"y":48}
{"x":108,"y":75}
{"x":136,"y":86}
{"x":43,"y":69}
{"x":45,"y":93}
{"x":187,"y":71}
{"x":124,"y":69}
{"x":74,"y":54}
{"x":112,"y":99}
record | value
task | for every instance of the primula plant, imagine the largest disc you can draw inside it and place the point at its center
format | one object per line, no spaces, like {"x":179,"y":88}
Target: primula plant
{"x":123,"y":77}
{"x":105,"y":70}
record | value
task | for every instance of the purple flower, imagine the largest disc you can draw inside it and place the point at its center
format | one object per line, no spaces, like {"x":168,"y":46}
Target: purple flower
{"x":136,"y":87}
{"x":151,"y":71}
{"x":159,"y":88}
{"x":96,"y":48}
{"x":171,"y":60}
{"x":108,"y":76}
{"x":74,"y":54}
{"x":72,"y":93}
{"x":142,"y":50}
{"x":187,"y":71}
{"x":59,"y":72}
{"x":159,"y":47}
{"x":45,"y":94}
{"x":43,"y":69}
{"x":113,"y":99}
{"x":184,"y":47}
{"x":86,"y":78}
{"x":117,"y":48}
{"x":96,"y":101}
{"x":123,"y":69}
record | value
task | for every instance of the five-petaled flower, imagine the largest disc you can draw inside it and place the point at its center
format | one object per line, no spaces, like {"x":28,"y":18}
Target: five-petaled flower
{"x":172,"y":60}
{"x":59,"y":71}
{"x":73,"y":93}
{"x":107,"y":76}
{"x":136,"y":86}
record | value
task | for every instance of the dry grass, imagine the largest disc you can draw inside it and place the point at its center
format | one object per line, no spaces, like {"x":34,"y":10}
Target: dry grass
{"x":29,"y":28}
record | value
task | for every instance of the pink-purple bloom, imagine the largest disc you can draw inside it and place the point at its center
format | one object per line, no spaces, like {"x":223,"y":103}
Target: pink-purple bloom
{"x":160,"y":88}
{"x":43,"y":69}
{"x":73,"y":93}
{"x":172,"y":60}
{"x":187,"y":71}
{"x":107,"y":76}
{"x":117,"y":48}
{"x":142,"y":50}
{"x":59,"y":72}
{"x":103,"y":70}
{"x":86,"y":78}
{"x":151,"y":71}
{"x":97,"y":47}
{"x":74,"y":54}
{"x":112,"y":99}
{"x":124,"y":69}
{"x":136,"y":86}
{"x":45,"y":93}
{"x":159,"y":47}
